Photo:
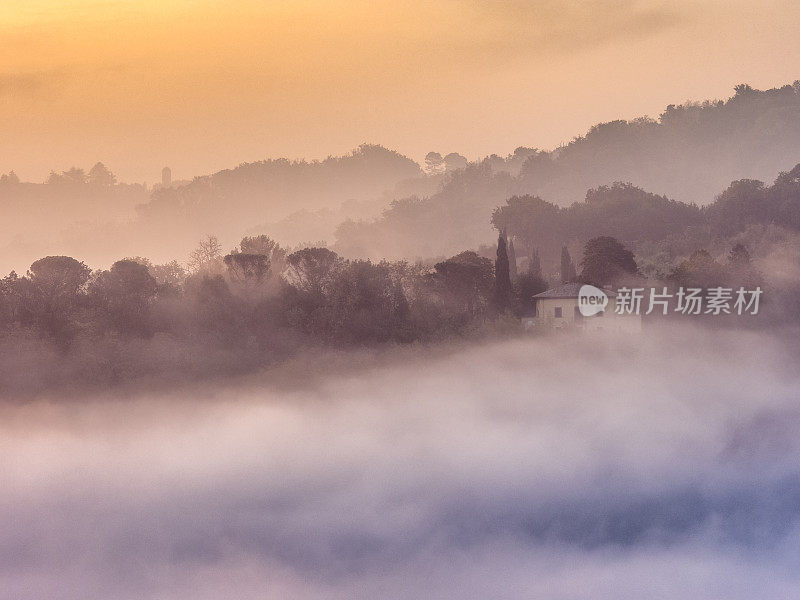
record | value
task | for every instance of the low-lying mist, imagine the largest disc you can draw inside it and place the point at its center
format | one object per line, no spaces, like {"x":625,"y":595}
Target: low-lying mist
{"x":661,"y":466}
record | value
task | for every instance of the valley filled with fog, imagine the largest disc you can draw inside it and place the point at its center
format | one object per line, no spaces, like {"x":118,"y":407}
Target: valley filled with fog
{"x":660,"y":465}
{"x":299,"y":300}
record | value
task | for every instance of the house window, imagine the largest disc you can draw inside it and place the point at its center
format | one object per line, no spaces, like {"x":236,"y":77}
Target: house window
{"x":557,"y":312}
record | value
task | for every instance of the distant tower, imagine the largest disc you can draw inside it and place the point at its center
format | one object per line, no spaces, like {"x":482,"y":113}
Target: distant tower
{"x":166,"y":177}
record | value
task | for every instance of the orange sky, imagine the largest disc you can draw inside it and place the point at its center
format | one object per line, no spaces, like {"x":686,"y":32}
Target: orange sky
{"x":203,"y":85}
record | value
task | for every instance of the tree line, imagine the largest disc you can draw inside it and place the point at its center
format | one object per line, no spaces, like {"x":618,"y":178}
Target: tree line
{"x":259,"y":288}
{"x":249,"y":296}
{"x":660,"y":231}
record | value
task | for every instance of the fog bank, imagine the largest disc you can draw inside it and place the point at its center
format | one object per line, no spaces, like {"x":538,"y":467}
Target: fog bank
{"x":663,"y":466}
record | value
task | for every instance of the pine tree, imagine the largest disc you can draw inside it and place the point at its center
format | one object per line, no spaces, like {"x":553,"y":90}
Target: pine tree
{"x":502,"y":278}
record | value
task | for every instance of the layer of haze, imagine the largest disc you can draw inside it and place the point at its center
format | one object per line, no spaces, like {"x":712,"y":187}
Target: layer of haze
{"x":204,"y":85}
{"x":668,"y":469}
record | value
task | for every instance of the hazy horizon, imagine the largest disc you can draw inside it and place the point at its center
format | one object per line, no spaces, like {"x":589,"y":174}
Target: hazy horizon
{"x":203,"y":86}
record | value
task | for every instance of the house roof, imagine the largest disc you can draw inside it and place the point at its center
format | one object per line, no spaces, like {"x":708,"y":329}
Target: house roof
{"x":568,"y":290}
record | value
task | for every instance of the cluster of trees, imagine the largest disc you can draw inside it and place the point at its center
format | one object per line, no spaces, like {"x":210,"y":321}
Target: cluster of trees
{"x":75,"y":210}
{"x":260,"y":302}
{"x":230,"y":200}
{"x":656,"y":228}
{"x":247,"y":295}
{"x":701,"y":270}
{"x":10,"y":178}
{"x":620,"y":210}
{"x":34,"y":217}
{"x":436,"y":164}
{"x":99,"y":174}
{"x":689,"y":153}
{"x":257,"y":303}
{"x":510,"y":285}
{"x":608,"y":263}
{"x":750,"y":202}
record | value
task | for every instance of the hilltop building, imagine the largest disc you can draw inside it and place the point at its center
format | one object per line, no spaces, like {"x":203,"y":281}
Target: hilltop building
{"x":558,"y":308}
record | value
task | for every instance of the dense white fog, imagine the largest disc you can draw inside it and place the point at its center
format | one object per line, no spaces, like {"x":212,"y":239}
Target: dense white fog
{"x":661,"y":466}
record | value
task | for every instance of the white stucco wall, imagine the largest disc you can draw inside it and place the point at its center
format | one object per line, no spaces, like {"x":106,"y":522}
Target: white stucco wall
{"x":570,"y":317}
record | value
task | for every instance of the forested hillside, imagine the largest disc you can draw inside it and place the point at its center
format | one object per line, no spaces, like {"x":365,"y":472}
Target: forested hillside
{"x":234,"y":200}
{"x":690,"y":153}
{"x":93,"y":216}
{"x":377,"y":203}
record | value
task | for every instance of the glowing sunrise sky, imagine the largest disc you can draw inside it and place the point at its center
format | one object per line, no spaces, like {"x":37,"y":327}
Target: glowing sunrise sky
{"x":203,"y":85}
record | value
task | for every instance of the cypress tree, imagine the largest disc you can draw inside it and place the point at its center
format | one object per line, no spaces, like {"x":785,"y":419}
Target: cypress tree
{"x":512,"y":261}
{"x":535,"y":264}
{"x":567,"y":266}
{"x":502,"y":278}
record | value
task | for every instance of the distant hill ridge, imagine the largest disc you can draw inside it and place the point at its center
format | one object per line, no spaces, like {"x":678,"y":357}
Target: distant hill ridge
{"x":690,"y":153}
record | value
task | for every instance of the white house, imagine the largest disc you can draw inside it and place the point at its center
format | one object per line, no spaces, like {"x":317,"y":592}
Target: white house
{"x":559,"y":308}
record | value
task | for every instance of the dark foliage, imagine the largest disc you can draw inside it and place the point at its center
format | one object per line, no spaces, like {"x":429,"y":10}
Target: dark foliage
{"x":502,"y":276}
{"x":606,"y":261}
{"x":567,"y":270}
{"x":747,"y":202}
{"x":620,"y":210}
{"x":466,"y":282}
{"x":122,"y":297}
{"x":134,"y":321}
